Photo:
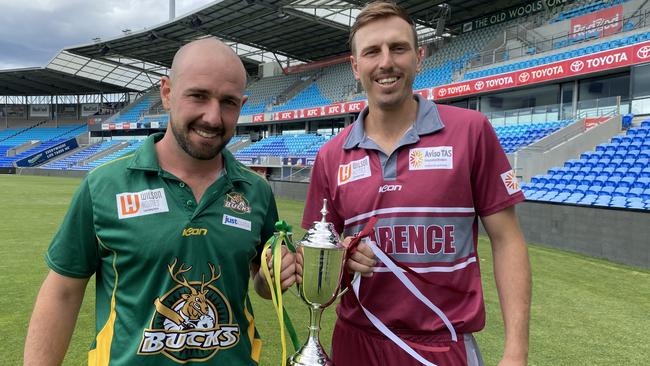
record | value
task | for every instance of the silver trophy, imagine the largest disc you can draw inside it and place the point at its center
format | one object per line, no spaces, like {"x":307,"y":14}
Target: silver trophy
{"x":323,"y":257}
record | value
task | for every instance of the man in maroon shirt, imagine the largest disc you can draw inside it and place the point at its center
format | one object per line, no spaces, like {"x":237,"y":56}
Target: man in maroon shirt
{"x":427,"y":172}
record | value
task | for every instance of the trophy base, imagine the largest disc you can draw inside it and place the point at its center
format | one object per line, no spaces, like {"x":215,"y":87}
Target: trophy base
{"x":310,"y":355}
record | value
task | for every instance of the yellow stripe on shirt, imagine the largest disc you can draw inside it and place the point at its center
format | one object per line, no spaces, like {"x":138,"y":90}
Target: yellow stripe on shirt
{"x":101,"y":355}
{"x":256,"y":343}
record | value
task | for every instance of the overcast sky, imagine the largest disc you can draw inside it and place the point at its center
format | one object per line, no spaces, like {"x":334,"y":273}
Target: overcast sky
{"x":34,"y":31}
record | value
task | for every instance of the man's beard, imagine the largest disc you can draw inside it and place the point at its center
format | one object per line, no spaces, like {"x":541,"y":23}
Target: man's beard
{"x":200,"y":152}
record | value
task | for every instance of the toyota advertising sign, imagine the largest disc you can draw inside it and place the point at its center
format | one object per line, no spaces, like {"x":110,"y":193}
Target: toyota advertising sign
{"x":597,"y":62}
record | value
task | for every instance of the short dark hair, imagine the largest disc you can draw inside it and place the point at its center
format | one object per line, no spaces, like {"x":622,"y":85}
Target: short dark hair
{"x":380,"y":10}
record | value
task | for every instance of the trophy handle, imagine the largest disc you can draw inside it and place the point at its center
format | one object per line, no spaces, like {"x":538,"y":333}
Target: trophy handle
{"x":356,"y":277}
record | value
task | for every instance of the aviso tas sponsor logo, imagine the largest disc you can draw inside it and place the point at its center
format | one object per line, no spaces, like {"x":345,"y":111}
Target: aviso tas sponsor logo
{"x":426,"y":158}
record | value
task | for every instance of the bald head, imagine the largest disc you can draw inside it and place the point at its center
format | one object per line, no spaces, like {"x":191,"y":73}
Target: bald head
{"x":203,"y":95}
{"x":207,"y":51}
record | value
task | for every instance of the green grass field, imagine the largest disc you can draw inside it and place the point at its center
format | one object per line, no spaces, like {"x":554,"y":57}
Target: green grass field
{"x":585,"y":311}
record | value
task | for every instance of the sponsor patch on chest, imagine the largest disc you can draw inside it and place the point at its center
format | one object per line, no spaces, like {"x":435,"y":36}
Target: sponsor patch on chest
{"x":236,"y":222}
{"x":427,"y":158}
{"x":354,"y":170}
{"x":147,"y":202}
{"x":510,"y":182}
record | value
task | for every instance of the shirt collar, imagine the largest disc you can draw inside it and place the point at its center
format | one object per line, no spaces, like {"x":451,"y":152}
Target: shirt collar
{"x":427,"y":121}
{"x":146,"y":159}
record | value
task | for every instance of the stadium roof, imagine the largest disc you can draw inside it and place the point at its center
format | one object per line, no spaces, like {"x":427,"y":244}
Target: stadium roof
{"x":43,"y":81}
{"x":280,"y":30}
{"x":287,"y":31}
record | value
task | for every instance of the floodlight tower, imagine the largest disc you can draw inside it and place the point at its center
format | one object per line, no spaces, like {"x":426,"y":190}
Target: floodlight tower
{"x":172,"y":9}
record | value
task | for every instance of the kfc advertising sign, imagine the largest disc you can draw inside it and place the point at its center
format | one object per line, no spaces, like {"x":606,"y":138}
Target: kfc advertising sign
{"x":354,"y":107}
{"x":333,"y":109}
{"x":258,"y":117}
{"x":312,"y":112}
{"x":603,"y":23}
{"x":285,"y":115}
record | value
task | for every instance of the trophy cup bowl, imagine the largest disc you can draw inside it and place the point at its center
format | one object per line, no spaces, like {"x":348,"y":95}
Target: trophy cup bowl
{"x":323,"y":259}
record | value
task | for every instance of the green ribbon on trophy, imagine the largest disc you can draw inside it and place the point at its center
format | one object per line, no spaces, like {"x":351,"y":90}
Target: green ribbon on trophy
{"x":281,"y":236}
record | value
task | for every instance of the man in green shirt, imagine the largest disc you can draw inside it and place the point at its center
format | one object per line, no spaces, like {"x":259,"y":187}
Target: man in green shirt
{"x":172,"y":232}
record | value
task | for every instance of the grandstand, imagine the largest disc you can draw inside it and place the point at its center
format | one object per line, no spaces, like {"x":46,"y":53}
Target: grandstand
{"x":514,"y":137}
{"x":17,"y":144}
{"x":540,"y":75}
{"x":616,"y":174}
{"x":131,"y":146}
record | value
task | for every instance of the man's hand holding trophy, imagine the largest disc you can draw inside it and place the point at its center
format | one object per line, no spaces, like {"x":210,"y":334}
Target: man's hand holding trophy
{"x":320,"y":261}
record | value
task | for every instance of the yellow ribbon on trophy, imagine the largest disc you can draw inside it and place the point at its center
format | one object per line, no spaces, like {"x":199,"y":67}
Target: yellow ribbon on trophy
{"x":281,"y":236}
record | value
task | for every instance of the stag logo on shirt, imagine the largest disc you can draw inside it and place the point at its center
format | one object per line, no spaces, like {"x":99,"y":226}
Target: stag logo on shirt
{"x":191,"y":322}
{"x":510,"y":182}
{"x":147,"y":202}
{"x":237,"y":202}
{"x":354,"y":170}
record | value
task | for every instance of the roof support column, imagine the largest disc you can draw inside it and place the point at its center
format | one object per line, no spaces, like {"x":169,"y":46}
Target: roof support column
{"x":56,"y":111}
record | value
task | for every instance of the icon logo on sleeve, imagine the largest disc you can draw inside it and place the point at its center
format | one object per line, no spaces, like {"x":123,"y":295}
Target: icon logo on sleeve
{"x":147,"y":202}
{"x":354,"y":170}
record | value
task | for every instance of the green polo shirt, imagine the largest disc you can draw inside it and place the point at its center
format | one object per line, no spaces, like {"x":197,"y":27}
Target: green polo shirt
{"x":172,"y":273}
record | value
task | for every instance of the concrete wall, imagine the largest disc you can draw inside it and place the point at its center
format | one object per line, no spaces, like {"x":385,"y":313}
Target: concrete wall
{"x":290,"y":190}
{"x":568,"y":143}
{"x":618,"y":235}
{"x":51,"y":172}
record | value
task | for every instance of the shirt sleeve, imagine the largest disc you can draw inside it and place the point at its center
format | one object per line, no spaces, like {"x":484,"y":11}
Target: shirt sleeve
{"x":271,"y":219}
{"x":268,"y":227}
{"x":74,"y":251}
{"x":318,"y":190}
{"x":494,"y":184}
